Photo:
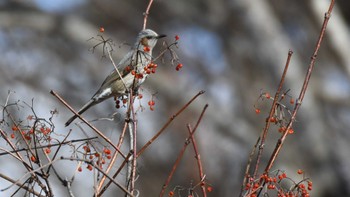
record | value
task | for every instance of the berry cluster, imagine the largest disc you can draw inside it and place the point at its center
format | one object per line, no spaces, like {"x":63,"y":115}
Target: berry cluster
{"x":267,"y":184}
{"x":279,"y":118}
{"x":95,"y":157}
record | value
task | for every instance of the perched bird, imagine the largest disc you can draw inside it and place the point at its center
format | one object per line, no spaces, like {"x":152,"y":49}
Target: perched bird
{"x":133,"y":62}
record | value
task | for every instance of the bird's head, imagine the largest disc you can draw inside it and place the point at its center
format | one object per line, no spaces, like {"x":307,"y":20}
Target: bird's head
{"x":147,"y":38}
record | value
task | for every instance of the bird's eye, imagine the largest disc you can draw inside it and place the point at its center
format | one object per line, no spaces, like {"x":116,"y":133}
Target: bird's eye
{"x":149,"y":37}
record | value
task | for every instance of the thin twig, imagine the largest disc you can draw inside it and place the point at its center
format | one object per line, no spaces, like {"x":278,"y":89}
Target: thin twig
{"x":303,"y":90}
{"x":116,"y":174}
{"x":199,"y":160}
{"x":20,"y":185}
{"x":180,"y":155}
{"x":272,"y":111}
{"x":114,"y":158}
{"x":167,"y":124}
{"x":100,"y":170}
{"x":86,"y":122}
{"x":49,"y":145}
{"x":146,"y":14}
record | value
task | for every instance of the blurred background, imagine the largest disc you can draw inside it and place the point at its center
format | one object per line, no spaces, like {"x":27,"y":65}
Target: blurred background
{"x":232,"y":49}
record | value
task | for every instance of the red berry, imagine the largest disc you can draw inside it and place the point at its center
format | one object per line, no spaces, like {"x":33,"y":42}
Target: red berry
{"x":291,"y":101}
{"x":209,"y":189}
{"x":80,"y":169}
{"x":89,"y":167}
{"x":179,"y":66}
{"x":102,"y":29}
{"x":12,"y":135}
{"x":107,"y":151}
{"x":267,"y":95}
{"x":257,"y":111}
{"x":151,"y":102}
{"x":47,"y":151}
{"x":300,"y":171}
{"x":14,"y":128}
{"x":177,"y":37}
{"x":32,"y":158}
{"x":146,"y":49}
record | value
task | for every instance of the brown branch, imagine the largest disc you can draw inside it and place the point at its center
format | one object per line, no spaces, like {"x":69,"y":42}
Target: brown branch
{"x":145,"y":14}
{"x":168,"y":123}
{"x":303,"y":90}
{"x":100,"y":170}
{"x":178,"y":159}
{"x":199,"y":161}
{"x":50,"y":145}
{"x":86,"y":122}
{"x":272,"y":111}
{"x":111,"y":163}
{"x":20,"y":185}
{"x":116,"y":174}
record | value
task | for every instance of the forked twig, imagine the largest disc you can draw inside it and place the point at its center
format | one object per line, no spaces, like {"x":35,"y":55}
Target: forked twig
{"x":303,"y":90}
{"x":167,"y":124}
{"x":180,"y":155}
{"x":86,"y":122}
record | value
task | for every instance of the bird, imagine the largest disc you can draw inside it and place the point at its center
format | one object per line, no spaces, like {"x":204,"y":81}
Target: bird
{"x":133,"y":62}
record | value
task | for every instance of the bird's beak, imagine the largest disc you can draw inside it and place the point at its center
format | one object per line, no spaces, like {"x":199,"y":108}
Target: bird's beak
{"x":161,"y":36}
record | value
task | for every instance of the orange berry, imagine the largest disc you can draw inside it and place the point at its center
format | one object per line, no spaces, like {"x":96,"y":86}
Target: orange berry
{"x":273,"y":119}
{"x":139,"y":76}
{"x":27,"y":137}
{"x":284,"y":175}
{"x":281,"y":129}
{"x":171,"y":193}
{"x":309,"y":183}
{"x":32,"y":158}
{"x":209,"y":189}
{"x":12,"y":135}
{"x":291,"y":101}
{"x":146,"y":49}
{"x":267,"y":95}
{"x":151,"y":102}
{"x":108,"y":157}
{"x":140,"y":96}
{"x":47,"y":151}
{"x":256,"y":185}
{"x":14,"y":128}
{"x":91,"y":157}
{"x":87,"y":149}
{"x":257,"y":111}
{"x":300,"y":171}
{"x":89,"y":167}
{"x":177,"y":37}
{"x":97,"y":154}
{"x":179,"y":66}
{"x":102,"y":29}
{"x":107,"y":151}
{"x":290,"y":131}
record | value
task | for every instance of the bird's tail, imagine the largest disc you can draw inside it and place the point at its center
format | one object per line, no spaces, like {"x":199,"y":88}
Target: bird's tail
{"x":89,"y":104}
